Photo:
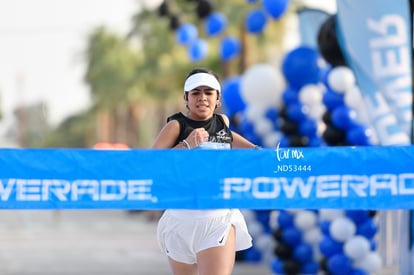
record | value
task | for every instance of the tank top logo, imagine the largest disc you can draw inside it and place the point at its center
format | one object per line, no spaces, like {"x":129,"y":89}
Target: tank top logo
{"x":221,"y":137}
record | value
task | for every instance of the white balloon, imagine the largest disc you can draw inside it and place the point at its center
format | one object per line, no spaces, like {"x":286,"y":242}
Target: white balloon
{"x":293,"y":211}
{"x":264,"y":242}
{"x":330,"y":214}
{"x":353,"y":98}
{"x":305,"y":220}
{"x":274,"y":224}
{"x":255,"y":228}
{"x":316,"y":111}
{"x":321,"y":128}
{"x":313,"y":235}
{"x":341,"y":79}
{"x":263,"y":126}
{"x":371,"y":263}
{"x":342,"y":229}
{"x":357,"y":247}
{"x":271,"y":139}
{"x":262,"y":85}
{"x":317,"y":254}
{"x":310,"y":94}
{"x":362,"y":116}
{"x":254,"y":113}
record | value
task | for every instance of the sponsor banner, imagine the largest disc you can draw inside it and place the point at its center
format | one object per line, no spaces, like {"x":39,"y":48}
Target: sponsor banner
{"x":310,"y":21}
{"x":311,"y":178}
{"x":379,"y":53}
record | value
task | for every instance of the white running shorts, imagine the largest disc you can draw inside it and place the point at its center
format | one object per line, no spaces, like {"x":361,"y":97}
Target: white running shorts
{"x":181,"y":236}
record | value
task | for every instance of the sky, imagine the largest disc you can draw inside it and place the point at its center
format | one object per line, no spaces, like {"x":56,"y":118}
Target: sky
{"x":42,"y":46}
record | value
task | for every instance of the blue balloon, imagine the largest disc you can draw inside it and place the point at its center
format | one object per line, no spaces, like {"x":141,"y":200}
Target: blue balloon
{"x":232,"y":99}
{"x":358,"y":135}
{"x":373,"y":244}
{"x":198,"y":50}
{"x":316,"y":142}
{"x":329,"y":246}
{"x":290,"y":96}
{"x":308,"y":127}
{"x":343,"y":117}
{"x":295,"y":112}
{"x":325,"y":71}
{"x":263,"y":216}
{"x":272,"y":114}
{"x":277,"y":266}
{"x":339,"y":264}
{"x":284,"y":220}
{"x":332,"y":99}
{"x":310,"y":268}
{"x":186,"y":34}
{"x":247,"y":130}
{"x":367,"y":229}
{"x":246,"y":126}
{"x":275,"y":8}
{"x":252,"y":255}
{"x":324,"y":226}
{"x":292,"y":236}
{"x":229,"y":48}
{"x":303,"y":252}
{"x":215,"y":24}
{"x":359,"y":272}
{"x":256,"y":21}
{"x":284,"y":141}
{"x":301,"y":66}
{"x":358,"y":216}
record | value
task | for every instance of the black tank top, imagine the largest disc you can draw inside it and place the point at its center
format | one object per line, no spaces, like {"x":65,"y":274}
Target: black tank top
{"x":215,"y":126}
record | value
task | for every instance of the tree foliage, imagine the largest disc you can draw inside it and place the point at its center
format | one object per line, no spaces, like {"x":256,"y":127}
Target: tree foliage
{"x":77,"y":131}
{"x":111,"y":67}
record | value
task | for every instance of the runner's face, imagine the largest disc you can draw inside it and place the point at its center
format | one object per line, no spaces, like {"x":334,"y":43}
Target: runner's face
{"x":202,"y":102}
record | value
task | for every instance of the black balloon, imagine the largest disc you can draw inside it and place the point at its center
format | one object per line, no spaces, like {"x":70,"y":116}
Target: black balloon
{"x":334,"y":136}
{"x":204,"y":9}
{"x":298,"y":141}
{"x":283,"y":251}
{"x":283,"y":112}
{"x":175,"y":22}
{"x":328,"y":43}
{"x":323,"y":264}
{"x":278,"y":235}
{"x":291,"y":267}
{"x":288,"y":127}
{"x":164,"y":9}
{"x":372,"y":213}
{"x":326,"y":117}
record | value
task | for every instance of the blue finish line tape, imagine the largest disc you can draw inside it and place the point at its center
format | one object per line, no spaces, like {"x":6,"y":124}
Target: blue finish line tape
{"x":310,"y":178}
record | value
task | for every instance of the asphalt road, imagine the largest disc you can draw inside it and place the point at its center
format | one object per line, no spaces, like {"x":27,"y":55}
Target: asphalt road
{"x":70,"y":242}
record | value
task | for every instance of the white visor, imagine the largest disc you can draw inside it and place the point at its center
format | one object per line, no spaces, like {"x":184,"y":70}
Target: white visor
{"x":201,"y":79}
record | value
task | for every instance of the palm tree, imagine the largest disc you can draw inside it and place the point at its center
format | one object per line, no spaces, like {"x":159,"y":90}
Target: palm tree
{"x":110,"y":74}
